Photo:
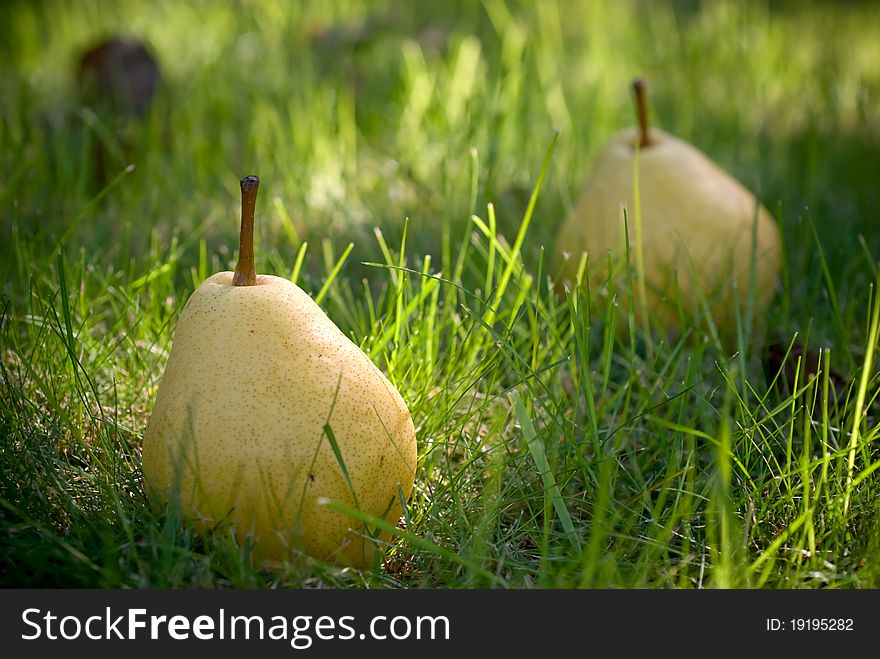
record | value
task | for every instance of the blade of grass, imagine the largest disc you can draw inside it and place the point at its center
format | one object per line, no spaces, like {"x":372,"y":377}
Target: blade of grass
{"x":551,"y":489}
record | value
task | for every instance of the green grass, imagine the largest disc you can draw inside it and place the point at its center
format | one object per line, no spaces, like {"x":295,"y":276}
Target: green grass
{"x":551,"y":453}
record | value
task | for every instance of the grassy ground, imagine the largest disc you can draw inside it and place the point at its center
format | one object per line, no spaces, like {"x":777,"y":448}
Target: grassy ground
{"x":681,"y":465}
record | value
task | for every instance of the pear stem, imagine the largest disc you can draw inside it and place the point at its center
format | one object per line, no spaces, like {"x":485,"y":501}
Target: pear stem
{"x":245,"y":273}
{"x":642,"y":111}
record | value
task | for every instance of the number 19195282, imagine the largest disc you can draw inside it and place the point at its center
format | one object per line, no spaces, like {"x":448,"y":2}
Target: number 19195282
{"x":821,"y":624}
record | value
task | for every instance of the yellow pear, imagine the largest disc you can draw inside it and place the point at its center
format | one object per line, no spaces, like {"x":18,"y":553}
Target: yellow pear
{"x":702,"y":241}
{"x":266,"y":409}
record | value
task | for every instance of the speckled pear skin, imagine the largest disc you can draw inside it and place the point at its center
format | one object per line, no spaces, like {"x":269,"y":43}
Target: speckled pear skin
{"x":237,"y":431}
{"x":697,"y":231}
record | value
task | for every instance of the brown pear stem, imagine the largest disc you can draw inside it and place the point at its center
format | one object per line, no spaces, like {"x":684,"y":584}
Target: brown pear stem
{"x":245,"y":273}
{"x":642,"y":111}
